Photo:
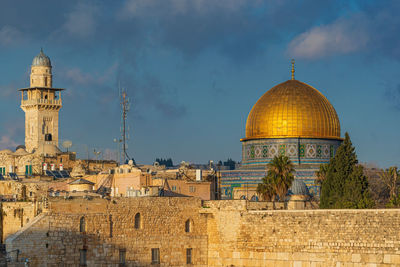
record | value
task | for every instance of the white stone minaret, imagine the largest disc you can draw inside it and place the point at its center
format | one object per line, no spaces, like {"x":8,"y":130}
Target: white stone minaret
{"x":41,"y":104}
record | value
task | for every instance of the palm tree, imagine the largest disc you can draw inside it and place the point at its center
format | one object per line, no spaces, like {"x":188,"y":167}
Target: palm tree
{"x":282,"y":168}
{"x":390,"y":178}
{"x":267,"y":189}
{"x":278,"y":180}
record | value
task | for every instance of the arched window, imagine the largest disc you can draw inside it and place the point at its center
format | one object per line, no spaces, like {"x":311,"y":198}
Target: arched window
{"x":243,"y":197}
{"x":188,"y":226}
{"x":137,"y":221}
{"x":82,"y":225}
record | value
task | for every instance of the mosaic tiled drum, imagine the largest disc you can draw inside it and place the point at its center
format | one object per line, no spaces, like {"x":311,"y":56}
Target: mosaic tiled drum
{"x":292,"y":119}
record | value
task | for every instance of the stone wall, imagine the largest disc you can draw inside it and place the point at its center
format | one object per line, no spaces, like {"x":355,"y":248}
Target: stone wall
{"x":241,"y":237}
{"x":56,"y":239}
{"x":224,"y":233}
{"x":15,"y":215}
{"x":28,"y":189}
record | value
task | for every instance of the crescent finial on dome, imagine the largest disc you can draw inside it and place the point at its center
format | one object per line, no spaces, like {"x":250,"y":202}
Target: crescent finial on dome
{"x":293,"y":69}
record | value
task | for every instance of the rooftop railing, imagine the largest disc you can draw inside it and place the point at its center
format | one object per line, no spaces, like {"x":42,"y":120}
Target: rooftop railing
{"x":25,"y":102}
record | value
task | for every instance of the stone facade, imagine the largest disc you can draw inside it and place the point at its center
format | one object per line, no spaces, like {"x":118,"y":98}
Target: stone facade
{"x":221,"y":233}
{"x":55,"y":239}
{"x":15,"y":215}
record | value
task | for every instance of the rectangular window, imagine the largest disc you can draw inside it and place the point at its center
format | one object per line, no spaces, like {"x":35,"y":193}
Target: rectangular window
{"x":155,"y":256}
{"x":122,"y":257}
{"x":188,"y":256}
{"x":82,"y":260}
{"x":174,"y":188}
{"x":192,"y":189}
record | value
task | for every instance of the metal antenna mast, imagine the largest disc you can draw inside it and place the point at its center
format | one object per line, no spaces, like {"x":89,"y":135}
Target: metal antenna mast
{"x":125,"y":105}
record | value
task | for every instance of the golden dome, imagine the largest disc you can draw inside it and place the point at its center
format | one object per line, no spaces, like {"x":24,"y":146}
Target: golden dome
{"x":292,"y":109}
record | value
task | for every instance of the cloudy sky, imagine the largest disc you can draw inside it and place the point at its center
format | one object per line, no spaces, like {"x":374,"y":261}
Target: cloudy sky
{"x":194,"y":68}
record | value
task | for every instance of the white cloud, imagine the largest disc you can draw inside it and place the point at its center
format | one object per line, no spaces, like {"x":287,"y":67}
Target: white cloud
{"x":9,"y":35}
{"x":79,"y":77}
{"x":81,"y":22}
{"x":6,"y":141}
{"x":142,"y":8}
{"x":341,"y":37}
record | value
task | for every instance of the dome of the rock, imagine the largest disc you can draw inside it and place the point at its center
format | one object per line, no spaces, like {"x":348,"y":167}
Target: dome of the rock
{"x":292,"y":109}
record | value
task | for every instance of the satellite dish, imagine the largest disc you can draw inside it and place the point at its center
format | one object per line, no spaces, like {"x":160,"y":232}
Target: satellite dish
{"x":67,"y":144}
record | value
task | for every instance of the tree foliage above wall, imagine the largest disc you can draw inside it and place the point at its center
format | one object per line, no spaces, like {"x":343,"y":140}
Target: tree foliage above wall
{"x":345,"y":185}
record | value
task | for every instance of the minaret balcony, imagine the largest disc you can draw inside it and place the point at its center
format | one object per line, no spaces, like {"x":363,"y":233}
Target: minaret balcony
{"x":33,"y":102}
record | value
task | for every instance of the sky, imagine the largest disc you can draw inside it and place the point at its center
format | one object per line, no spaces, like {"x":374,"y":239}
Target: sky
{"x":194,"y":68}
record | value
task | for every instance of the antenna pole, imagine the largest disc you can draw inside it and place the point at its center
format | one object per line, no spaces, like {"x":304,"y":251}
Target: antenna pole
{"x":124,"y":131}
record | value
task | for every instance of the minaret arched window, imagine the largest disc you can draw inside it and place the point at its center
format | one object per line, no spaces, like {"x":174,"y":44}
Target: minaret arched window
{"x":137,"y":221}
{"x":188,"y":226}
{"x":82,"y":225}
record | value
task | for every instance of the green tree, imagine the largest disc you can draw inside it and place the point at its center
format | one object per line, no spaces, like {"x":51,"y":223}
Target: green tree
{"x":278,"y":179}
{"x":345,"y":185}
{"x":267,"y":189}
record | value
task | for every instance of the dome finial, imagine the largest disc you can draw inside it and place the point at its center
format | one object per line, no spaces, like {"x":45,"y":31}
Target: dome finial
{"x":292,"y":69}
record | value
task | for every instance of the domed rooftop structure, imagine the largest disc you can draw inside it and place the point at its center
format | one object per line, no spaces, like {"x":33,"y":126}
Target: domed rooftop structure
{"x":292,"y":109}
{"x":41,"y":60}
{"x":47,"y":149}
{"x":20,"y":152}
{"x":298,"y":187}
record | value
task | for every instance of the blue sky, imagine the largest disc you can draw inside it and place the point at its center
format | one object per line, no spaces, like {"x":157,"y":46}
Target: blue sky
{"x":194,"y":68}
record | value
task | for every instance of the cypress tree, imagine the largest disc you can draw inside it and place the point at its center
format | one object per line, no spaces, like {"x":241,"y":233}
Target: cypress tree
{"x":345,"y":185}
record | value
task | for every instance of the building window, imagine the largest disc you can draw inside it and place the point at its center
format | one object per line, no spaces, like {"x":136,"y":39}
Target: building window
{"x":122,"y":257}
{"x":82,"y":260}
{"x":188,"y":226}
{"x":82,"y":225}
{"x":111,"y":225}
{"x":45,"y":81}
{"x":192,"y":189}
{"x":137,"y":221}
{"x":243,"y":197}
{"x":188,"y":256}
{"x":155,"y":256}
{"x":174,"y":188}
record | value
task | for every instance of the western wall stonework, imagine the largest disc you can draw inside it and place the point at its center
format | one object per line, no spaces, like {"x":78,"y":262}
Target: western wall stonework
{"x":223,"y":233}
{"x":54,"y":238}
